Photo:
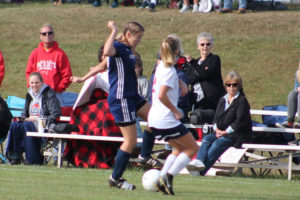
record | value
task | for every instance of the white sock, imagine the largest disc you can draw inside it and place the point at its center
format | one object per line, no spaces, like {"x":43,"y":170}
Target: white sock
{"x":154,"y":2}
{"x":181,"y":161}
{"x":168,"y":163}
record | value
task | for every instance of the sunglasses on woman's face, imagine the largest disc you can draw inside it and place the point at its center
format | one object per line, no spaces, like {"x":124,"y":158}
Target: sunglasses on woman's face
{"x":231,"y":84}
{"x":205,"y":44}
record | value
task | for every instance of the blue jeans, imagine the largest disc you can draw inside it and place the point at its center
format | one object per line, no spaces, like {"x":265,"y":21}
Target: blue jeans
{"x":228,"y":4}
{"x":211,"y":149}
{"x":18,"y":143}
{"x":293,"y":105}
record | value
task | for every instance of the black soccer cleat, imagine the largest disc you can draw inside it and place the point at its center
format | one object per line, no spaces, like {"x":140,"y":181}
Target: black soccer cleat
{"x":149,"y":162}
{"x":120,"y":183}
{"x":167,"y":182}
{"x":160,"y":187}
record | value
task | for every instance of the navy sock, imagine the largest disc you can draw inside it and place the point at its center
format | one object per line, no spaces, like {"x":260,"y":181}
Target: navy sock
{"x":122,"y":159}
{"x":148,"y":143}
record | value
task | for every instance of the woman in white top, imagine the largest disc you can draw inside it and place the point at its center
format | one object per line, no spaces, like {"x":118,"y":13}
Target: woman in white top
{"x":164,"y":116}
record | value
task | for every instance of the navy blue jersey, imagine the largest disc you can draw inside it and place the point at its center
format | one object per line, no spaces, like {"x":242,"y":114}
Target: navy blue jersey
{"x":122,"y":78}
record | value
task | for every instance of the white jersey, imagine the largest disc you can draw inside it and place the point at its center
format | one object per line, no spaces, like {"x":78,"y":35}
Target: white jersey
{"x":160,"y":116}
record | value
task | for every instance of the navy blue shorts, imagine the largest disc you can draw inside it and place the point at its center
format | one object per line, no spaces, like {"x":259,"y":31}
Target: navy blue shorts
{"x":171,"y":133}
{"x":124,"y":110}
{"x":140,"y":101}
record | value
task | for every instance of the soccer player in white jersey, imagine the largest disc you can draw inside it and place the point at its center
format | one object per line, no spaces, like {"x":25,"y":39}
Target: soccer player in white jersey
{"x":164,"y":116}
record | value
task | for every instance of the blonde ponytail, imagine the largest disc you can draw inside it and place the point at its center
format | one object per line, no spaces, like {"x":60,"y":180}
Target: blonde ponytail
{"x":168,"y":51}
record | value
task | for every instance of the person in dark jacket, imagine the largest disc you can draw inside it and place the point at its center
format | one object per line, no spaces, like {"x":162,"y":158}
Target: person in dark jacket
{"x":204,"y":75}
{"x":232,"y":126}
{"x":40,"y":101}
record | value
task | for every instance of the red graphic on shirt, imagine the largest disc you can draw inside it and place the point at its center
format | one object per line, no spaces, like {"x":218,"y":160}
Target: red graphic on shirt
{"x":35,"y":109}
{"x":46,"y":65}
{"x":154,"y":81}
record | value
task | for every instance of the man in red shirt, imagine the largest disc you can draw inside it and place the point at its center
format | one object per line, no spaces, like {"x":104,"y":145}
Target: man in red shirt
{"x":51,"y":62}
{"x":2,"y":68}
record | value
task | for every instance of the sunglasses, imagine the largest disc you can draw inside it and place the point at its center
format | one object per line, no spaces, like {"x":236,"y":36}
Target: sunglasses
{"x":49,"y":33}
{"x":233,"y":84}
{"x":205,"y":44}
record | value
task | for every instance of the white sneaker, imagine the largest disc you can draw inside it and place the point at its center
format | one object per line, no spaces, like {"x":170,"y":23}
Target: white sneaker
{"x":194,"y":173}
{"x":296,"y":125}
{"x":184,"y":8}
{"x":195,"y":165}
{"x":195,"y":8}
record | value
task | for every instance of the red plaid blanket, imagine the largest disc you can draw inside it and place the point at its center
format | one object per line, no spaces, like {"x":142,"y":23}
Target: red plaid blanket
{"x":93,"y":118}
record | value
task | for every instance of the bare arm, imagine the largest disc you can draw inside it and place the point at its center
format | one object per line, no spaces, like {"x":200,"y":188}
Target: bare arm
{"x":98,"y":68}
{"x":183,"y":88}
{"x":109,"y":49}
{"x":31,"y":119}
{"x":162,"y":95}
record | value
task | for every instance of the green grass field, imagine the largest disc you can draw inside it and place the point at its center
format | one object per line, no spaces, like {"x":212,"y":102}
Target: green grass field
{"x":47,"y":182}
{"x":263,"y":47}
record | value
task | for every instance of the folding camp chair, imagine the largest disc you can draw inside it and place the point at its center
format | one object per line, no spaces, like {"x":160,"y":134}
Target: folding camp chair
{"x":6,"y":118}
{"x":2,"y":152}
{"x":15,"y":105}
{"x":48,"y":149}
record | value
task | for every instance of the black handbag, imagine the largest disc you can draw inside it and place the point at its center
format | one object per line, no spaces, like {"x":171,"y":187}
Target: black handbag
{"x":202,"y":116}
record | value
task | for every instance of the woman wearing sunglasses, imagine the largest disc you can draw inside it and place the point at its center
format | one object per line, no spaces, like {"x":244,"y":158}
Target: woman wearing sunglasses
{"x":232,"y":126}
{"x":204,"y":74}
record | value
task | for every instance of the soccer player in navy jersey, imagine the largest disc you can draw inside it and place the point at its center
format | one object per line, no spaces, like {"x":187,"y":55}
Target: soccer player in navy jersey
{"x":123,"y":98}
{"x":124,"y":101}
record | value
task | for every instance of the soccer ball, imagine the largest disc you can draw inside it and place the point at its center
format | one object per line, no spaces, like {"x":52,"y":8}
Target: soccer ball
{"x":149,"y":178}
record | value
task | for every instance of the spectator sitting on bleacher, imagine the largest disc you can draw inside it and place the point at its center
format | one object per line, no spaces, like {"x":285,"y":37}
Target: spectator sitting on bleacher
{"x":293,"y":103}
{"x":228,"y":6}
{"x":149,"y":4}
{"x":204,"y":75}
{"x":41,"y":101}
{"x":232,"y":126}
{"x":186,"y":6}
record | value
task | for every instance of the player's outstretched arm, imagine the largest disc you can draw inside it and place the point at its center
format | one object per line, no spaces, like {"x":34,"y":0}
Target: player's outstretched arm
{"x":109,"y":49}
{"x":98,"y":68}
